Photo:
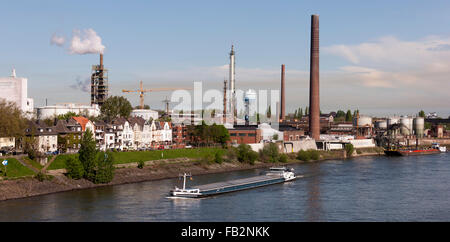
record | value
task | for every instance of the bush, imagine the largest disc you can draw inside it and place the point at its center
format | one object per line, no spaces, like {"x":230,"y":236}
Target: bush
{"x":314,"y":154}
{"x":283,"y":158}
{"x":231,"y":154}
{"x":218,"y":157}
{"x":349,"y":149}
{"x":74,"y":168}
{"x":358,"y":152}
{"x":304,"y":155}
{"x":42,"y":177}
{"x":245,"y":154}
{"x":208,"y":158}
{"x":140,"y":164}
{"x":269,"y":153}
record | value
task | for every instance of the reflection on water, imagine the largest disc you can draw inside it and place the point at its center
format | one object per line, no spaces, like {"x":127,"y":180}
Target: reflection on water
{"x":360,"y":189}
{"x":314,"y":208}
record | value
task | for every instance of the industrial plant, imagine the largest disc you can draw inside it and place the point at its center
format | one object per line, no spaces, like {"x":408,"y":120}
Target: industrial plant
{"x":245,"y":123}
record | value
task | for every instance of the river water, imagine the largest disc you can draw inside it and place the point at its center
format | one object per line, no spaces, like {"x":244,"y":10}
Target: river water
{"x":358,"y":189}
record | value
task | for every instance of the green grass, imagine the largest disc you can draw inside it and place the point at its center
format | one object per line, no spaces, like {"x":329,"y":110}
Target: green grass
{"x":60,"y":161}
{"x":136,"y":156}
{"x":15,"y":169}
{"x":33,"y":163}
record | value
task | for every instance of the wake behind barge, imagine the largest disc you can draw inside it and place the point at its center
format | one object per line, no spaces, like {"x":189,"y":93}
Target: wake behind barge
{"x":274,"y":176}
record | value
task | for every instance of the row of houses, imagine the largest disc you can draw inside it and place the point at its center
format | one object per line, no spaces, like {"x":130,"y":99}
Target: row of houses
{"x":121,"y":134}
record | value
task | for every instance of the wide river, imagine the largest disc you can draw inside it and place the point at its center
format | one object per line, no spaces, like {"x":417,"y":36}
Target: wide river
{"x":359,"y":189}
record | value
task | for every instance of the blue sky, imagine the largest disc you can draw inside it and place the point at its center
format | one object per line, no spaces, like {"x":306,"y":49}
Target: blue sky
{"x":172,"y":43}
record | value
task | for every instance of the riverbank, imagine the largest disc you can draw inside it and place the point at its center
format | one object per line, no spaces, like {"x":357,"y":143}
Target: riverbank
{"x":129,"y":173}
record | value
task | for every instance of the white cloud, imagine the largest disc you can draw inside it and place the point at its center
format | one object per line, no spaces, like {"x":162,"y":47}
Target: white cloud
{"x":86,"y":42}
{"x":57,"y":40}
{"x":392,"y":63}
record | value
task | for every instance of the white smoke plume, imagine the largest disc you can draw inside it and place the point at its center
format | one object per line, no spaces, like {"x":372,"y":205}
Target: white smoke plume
{"x":86,"y":42}
{"x":84,"y":86}
{"x":57,"y":40}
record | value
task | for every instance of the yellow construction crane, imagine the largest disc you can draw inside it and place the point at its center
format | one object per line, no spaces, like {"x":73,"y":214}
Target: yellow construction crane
{"x":142,"y":91}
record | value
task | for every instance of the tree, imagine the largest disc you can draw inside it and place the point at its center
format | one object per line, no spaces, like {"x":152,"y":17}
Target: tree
{"x":349,"y":149}
{"x":213,"y":113}
{"x":257,"y":118}
{"x":269,"y":153}
{"x":245,"y":154}
{"x":422,"y":114}
{"x":66,"y":116}
{"x":145,"y":107}
{"x":221,"y":135}
{"x":295,"y":114}
{"x":87,"y":155}
{"x":115,"y":107}
{"x":340,"y":114}
{"x":105,"y":167}
{"x":12,"y":122}
{"x":300,"y":113}
{"x":275,"y":137}
{"x":348,"y":116}
{"x":74,"y":168}
{"x":269,"y":112}
{"x":306,"y":111}
{"x":30,"y":146}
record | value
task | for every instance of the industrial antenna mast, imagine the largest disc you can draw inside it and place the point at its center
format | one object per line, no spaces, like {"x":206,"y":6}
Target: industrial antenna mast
{"x":142,"y":91}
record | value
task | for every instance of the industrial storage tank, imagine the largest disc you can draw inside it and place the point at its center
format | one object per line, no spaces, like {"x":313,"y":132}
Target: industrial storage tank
{"x":362,"y":121}
{"x":250,"y":100}
{"x":419,"y":126}
{"x":407,"y":125}
{"x":392,"y":120}
{"x":381,"y":124}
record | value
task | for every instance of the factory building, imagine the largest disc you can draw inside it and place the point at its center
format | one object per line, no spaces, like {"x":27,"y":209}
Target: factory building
{"x":245,"y":134}
{"x":15,"y":89}
{"x":146,"y":114}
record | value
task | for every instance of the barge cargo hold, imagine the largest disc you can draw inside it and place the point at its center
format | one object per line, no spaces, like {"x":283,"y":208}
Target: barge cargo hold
{"x":406,"y":152}
{"x":274,"y":176}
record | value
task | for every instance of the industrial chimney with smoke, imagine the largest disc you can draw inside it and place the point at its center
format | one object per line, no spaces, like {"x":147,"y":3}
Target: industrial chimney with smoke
{"x":283,"y":104}
{"x":99,"y":83}
{"x":314,"y":98}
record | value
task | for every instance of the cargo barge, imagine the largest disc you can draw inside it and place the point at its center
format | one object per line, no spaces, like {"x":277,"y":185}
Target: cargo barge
{"x":406,"y":152}
{"x":273,"y":176}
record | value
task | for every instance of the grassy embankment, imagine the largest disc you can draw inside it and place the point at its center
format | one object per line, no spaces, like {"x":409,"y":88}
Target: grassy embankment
{"x":32,"y":163}
{"x":15,"y":169}
{"x":136,"y":156}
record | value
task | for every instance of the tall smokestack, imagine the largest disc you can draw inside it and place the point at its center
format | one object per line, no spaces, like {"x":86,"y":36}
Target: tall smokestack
{"x":283,"y":114}
{"x":314,"y":98}
{"x":224,"y":101}
{"x":232,"y":85}
{"x":101,"y":60}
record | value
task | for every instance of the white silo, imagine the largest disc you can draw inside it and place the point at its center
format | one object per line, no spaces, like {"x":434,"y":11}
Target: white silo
{"x":363,"y":121}
{"x":381,"y":124}
{"x":407,"y":125}
{"x":419,"y":126}
{"x":392,"y":120}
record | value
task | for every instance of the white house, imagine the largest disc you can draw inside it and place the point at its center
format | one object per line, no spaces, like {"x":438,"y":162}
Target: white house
{"x":7,"y":142}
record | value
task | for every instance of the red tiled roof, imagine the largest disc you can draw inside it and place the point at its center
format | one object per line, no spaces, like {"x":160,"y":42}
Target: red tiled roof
{"x":82,"y":121}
